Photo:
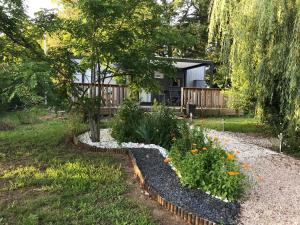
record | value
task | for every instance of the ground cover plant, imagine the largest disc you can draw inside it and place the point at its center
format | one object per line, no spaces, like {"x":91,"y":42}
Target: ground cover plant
{"x":202,"y":163}
{"x":45,"y":181}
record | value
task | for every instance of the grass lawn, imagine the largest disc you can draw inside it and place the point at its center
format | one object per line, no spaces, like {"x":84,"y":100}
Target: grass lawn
{"x":44,"y":181}
{"x":234,"y":124}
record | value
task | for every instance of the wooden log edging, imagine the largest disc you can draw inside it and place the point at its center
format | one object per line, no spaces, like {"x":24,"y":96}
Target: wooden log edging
{"x":185,"y":215}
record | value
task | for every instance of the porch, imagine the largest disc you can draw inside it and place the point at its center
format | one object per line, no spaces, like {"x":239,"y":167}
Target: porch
{"x":208,"y":101}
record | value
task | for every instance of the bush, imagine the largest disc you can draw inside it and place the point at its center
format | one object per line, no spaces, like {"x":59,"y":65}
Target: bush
{"x":127,"y":121}
{"x":75,"y":123}
{"x":30,"y":116}
{"x":159,"y":126}
{"x":132,"y":124}
{"x":202,"y":164}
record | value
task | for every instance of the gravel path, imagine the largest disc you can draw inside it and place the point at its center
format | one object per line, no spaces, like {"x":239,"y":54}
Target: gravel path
{"x":275,"y":196}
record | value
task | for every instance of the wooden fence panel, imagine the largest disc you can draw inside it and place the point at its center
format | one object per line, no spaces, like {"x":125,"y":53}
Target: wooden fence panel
{"x":112,"y":95}
{"x":203,"y":97}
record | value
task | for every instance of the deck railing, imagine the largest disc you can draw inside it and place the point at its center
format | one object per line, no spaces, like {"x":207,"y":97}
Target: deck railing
{"x":203,"y":97}
{"x":112,"y":94}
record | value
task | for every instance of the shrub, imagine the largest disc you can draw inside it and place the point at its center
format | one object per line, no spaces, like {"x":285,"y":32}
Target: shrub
{"x":30,"y":116}
{"x":127,"y":121}
{"x":75,"y":123}
{"x":159,"y":126}
{"x":202,"y":164}
{"x":132,"y":124}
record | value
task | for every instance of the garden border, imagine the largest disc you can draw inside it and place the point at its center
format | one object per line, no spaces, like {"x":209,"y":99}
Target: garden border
{"x":188,"y":217}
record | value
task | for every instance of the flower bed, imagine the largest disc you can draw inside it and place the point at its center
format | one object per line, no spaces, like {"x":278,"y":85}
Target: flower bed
{"x":163,"y":185}
{"x":202,"y":163}
{"x":199,"y":162}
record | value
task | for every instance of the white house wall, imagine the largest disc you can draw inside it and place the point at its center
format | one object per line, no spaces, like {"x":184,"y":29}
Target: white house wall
{"x":145,"y":96}
{"x":87,"y":76}
{"x":195,"y":74}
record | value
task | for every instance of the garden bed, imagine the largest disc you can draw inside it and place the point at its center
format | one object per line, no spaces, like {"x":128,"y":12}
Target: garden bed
{"x":163,"y":181}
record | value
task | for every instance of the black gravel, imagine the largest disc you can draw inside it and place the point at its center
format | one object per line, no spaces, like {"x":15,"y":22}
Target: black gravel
{"x":164,"y":180}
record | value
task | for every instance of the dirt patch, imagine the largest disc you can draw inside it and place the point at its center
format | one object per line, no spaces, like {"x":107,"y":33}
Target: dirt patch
{"x":160,"y":214}
{"x":6,"y":126}
{"x":49,"y":116}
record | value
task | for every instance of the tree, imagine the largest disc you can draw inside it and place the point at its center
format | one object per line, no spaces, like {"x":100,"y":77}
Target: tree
{"x":118,"y":39}
{"x":259,"y":42}
{"x":189,"y":19}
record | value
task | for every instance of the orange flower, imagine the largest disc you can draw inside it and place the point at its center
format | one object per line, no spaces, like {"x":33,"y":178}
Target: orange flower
{"x":167,"y":160}
{"x":194,"y":145}
{"x":195,"y":151}
{"x":246,"y":166}
{"x":260,"y":178}
{"x":205,"y":148}
{"x":233,"y":173}
{"x":230,"y":156}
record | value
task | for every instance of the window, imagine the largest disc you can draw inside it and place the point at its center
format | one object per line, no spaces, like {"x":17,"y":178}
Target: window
{"x":158,"y":75}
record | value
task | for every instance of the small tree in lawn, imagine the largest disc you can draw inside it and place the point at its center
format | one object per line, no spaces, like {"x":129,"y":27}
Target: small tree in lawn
{"x":115,"y":40}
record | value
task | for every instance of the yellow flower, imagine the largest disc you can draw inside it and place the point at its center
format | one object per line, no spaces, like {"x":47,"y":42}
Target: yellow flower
{"x":195,"y":151}
{"x":194,"y":145}
{"x":167,"y":160}
{"x":233,"y":173}
{"x":230,"y":156}
{"x":204,"y":148}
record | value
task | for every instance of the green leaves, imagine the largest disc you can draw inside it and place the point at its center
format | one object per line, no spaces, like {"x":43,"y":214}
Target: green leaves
{"x":257,"y":43}
{"x":205,"y":165}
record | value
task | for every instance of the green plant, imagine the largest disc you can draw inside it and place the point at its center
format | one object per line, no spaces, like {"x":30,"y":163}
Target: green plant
{"x":127,"y":121}
{"x":30,"y":115}
{"x":75,"y":123}
{"x":56,"y":184}
{"x":164,"y":124}
{"x":202,"y":164}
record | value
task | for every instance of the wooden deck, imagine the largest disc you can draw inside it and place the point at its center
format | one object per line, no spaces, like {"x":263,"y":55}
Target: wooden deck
{"x":208,"y":101}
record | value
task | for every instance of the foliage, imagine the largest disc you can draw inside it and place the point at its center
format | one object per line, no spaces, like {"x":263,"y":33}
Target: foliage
{"x":188,"y":19}
{"x":75,"y":122}
{"x":23,"y":117}
{"x":127,"y":121}
{"x":44,"y":181}
{"x":159,"y":126}
{"x":132,"y":124}
{"x":259,"y":44}
{"x":202,"y":164}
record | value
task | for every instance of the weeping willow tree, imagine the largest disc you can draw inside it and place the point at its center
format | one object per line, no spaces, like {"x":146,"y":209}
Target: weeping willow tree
{"x":259,"y":43}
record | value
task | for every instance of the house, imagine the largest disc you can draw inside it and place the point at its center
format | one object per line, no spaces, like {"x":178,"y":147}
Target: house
{"x":191,"y":73}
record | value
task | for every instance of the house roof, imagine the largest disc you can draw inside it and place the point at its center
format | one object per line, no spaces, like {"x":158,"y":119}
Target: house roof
{"x":186,"y":63}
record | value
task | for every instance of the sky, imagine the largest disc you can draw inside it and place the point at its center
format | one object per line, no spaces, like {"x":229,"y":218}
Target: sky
{"x":35,"y":5}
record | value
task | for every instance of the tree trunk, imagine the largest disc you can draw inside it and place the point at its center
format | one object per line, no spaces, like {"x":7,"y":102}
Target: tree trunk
{"x":93,"y":113}
{"x":94,"y":126}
